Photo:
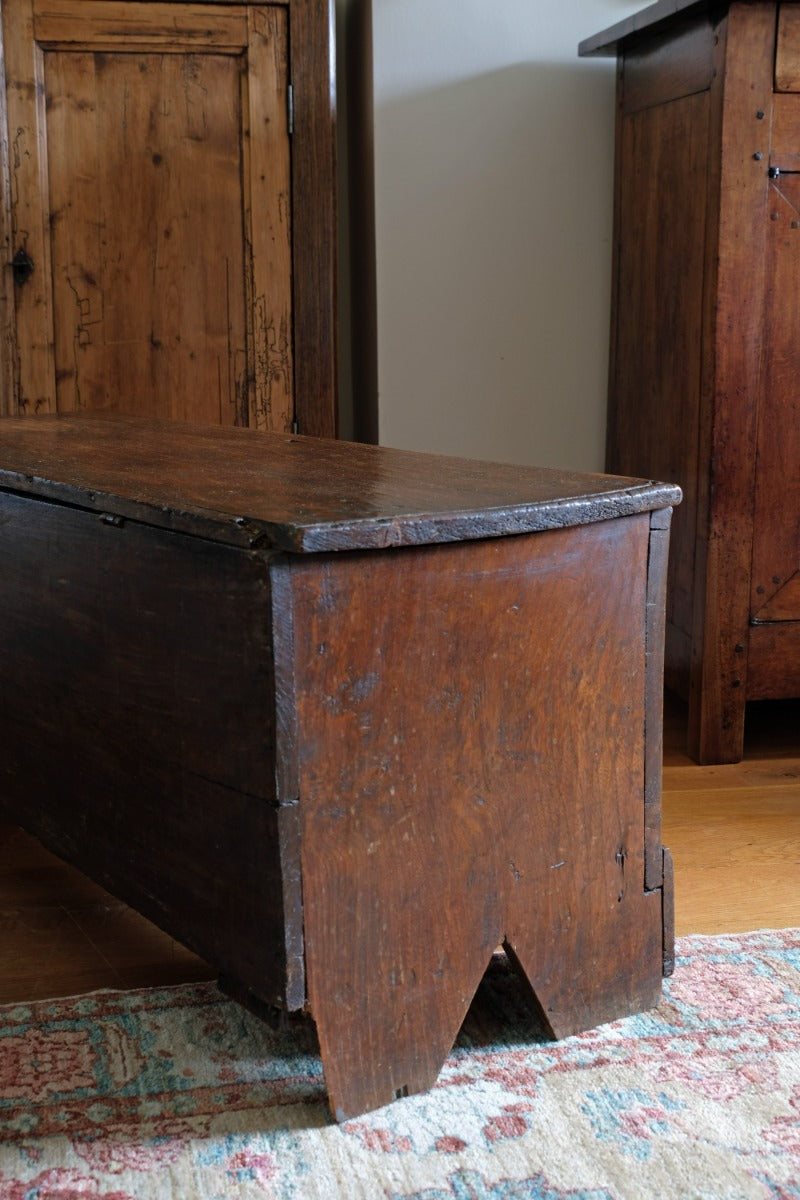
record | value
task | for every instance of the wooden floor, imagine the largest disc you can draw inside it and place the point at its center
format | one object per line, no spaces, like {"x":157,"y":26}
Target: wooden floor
{"x":734,"y":832}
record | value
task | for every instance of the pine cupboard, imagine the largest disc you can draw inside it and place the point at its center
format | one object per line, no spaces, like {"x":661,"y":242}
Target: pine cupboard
{"x":169,"y":211}
{"x":705,"y":339}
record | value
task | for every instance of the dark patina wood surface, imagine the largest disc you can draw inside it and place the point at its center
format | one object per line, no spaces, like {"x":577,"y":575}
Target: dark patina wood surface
{"x":301,"y":494}
{"x":344,"y":719}
{"x":473,"y":776}
{"x":137,"y":696}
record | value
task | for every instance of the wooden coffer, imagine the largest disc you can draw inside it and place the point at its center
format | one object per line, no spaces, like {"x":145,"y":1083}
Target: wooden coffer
{"x":344,"y":719}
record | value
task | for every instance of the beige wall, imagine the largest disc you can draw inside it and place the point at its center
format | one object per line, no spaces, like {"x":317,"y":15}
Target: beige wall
{"x":494,"y":153}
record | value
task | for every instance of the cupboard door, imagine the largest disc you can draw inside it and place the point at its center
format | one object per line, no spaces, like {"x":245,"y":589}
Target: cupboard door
{"x":776,"y":531}
{"x":149,"y":165}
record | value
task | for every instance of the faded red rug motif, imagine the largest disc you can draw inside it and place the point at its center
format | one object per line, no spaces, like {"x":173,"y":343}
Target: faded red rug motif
{"x":179,"y":1092}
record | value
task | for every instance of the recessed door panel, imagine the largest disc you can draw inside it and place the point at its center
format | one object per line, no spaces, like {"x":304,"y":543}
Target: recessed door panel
{"x":149,"y":148}
{"x":776,"y":528}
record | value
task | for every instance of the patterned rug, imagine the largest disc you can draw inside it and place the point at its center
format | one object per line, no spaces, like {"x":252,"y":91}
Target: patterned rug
{"x":180,"y":1093}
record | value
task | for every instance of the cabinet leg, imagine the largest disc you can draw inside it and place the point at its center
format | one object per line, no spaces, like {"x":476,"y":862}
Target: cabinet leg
{"x":716,"y":722}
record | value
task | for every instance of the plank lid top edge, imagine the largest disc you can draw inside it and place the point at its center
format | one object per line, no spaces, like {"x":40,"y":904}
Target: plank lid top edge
{"x":295,"y":493}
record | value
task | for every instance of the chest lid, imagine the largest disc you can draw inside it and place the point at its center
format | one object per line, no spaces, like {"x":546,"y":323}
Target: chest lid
{"x":297,"y":494}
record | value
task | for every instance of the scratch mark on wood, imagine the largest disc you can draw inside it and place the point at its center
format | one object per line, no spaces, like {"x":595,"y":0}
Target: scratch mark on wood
{"x":227,"y":391}
{"x":621,"y":856}
{"x":241,"y":386}
{"x":194,"y":98}
{"x":82,"y":336}
{"x":16,"y":164}
{"x":272,"y":363}
{"x":284,"y":208}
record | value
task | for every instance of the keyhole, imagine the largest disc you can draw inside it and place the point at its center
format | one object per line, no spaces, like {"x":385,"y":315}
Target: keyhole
{"x":22,"y":266}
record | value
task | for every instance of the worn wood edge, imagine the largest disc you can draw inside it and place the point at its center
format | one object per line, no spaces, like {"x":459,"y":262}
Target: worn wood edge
{"x":668,"y":914}
{"x":194,"y":522}
{"x":277,"y":1018}
{"x":287,"y":783}
{"x":655,"y":626}
{"x":433,"y":528}
{"x":368,"y":533}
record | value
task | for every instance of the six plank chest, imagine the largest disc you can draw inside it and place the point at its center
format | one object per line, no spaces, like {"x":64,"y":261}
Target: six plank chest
{"x":344,"y":719}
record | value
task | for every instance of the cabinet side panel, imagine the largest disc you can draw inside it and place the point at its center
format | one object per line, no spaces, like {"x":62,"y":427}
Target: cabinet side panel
{"x":654,"y":400}
{"x":139,"y":730}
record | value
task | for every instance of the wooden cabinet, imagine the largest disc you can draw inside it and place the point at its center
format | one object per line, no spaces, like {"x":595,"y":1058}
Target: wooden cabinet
{"x":168,"y":213}
{"x":705,"y":345}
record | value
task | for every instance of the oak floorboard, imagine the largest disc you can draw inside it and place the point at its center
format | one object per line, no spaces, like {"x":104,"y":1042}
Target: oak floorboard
{"x":61,"y":934}
{"x":734,"y":830}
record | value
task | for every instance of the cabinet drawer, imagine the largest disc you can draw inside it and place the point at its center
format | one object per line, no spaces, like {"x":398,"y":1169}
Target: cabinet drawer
{"x":784,"y":151}
{"x":787,"y":52}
